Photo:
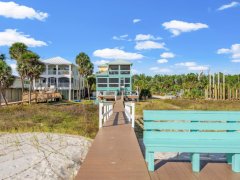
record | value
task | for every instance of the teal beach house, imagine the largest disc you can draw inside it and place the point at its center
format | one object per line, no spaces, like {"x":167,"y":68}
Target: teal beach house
{"x":114,"y":78}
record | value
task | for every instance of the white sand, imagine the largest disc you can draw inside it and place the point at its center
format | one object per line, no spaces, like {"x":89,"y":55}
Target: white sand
{"x":183,"y":156}
{"x":41,"y":155}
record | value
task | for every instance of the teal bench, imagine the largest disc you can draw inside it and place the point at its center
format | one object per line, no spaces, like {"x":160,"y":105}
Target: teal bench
{"x":193,"y":132}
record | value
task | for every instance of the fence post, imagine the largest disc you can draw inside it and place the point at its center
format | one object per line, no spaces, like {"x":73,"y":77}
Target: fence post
{"x":104,"y":111}
{"x":100,"y":115}
{"x":133,"y":115}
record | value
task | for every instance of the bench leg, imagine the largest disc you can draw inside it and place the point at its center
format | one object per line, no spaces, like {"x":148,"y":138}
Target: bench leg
{"x":236,"y":163}
{"x":229,"y":158}
{"x":150,"y":160}
{"x":195,"y":158}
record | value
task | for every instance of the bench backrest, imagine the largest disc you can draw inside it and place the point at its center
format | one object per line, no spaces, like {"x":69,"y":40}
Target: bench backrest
{"x":191,"y":124}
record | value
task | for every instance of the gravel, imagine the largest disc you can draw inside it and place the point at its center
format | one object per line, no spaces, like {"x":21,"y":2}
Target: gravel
{"x":41,"y":155}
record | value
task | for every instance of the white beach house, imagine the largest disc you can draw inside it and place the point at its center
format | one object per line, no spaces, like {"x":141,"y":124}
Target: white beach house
{"x":62,"y":76}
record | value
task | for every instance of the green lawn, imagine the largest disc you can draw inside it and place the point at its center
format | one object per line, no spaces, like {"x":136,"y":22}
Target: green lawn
{"x":70,"y":118}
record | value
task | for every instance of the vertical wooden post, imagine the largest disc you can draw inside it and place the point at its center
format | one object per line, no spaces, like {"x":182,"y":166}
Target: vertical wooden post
{"x":133,"y":115}
{"x":218,"y":90}
{"x":224,"y":90}
{"x":104,"y":111}
{"x":100,"y":114}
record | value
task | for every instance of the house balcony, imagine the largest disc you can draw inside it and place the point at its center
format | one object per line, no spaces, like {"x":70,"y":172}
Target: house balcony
{"x":63,"y":72}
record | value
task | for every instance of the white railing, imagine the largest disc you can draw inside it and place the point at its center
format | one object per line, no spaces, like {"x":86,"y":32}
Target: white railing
{"x":105,"y":111}
{"x":63,"y":72}
{"x":130,"y":112}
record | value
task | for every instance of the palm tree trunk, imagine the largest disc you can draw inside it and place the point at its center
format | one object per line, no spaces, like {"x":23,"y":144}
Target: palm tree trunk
{"x":29,"y":92}
{"x":88,"y":90}
{"x":80,"y":88}
{"x":22,"y":82}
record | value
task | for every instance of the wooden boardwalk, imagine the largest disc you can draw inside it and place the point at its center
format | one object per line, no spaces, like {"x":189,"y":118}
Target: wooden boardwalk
{"x":115,"y":154}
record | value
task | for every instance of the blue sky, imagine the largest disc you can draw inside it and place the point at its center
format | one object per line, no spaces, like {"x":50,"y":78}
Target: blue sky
{"x":159,"y":37}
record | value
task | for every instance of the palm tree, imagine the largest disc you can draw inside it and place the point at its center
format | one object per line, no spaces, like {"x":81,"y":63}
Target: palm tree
{"x":85,"y":68}
{"x":34,"y":68}
{"x":89,"y":72}
{"x":16,"y":51}
{"x":6,"y":77}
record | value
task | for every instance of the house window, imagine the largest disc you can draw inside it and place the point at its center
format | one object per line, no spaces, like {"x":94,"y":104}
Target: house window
{"x":127,"y":80}
{"x":127,"y":85}
{"x":113,"y":80}
{"x":102,"y":80}
{"x":102,"y":85}
{"x":113,"y":67}
{"x":125,"y":67}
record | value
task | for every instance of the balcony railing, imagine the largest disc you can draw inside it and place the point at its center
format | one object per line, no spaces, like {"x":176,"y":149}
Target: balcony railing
{"x":63,"y":72}
{"x":52,"y":72}
{"x":116,"y":72}
{"x":63,"y":84}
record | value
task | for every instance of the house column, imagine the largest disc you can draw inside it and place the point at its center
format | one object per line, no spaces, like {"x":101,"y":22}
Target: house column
{"x":70,"y":83}
{"x":46,"y":75}
{"x":57,"y":78}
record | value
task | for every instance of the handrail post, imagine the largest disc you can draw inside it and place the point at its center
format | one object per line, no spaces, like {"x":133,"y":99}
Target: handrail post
{"x":104,"y":111}
{"x":100,"y":114}
{"x":133,"y":115}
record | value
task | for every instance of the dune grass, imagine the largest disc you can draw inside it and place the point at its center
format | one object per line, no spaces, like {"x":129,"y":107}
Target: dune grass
{"x":69,"y":118}
{"x":184,"y":104}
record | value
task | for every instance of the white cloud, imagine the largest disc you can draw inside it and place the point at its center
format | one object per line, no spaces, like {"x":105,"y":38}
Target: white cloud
{"x":116,"y":54}
{"x":223,"y":51}
{"x":227,"y":6}
{"x":234,"y":50}
{"x":167,"y":55}
{"x":162,"y":61}
{"x":16,"y":11}
{"x":177,"y":27}
{"x":10,"y":36}
{"x":136,"y":21}
{"x":101,"y":62}
{"x":121,"y":38}
{"x":198,"y":68}
{"x":186,"y":64}
{"x":193,"y":66}
{"x":160,"y":70}
{"x":14,"y":68}
{"x":149,"y":45}
{"x":145,"y":37}
{"x":236,"y":60}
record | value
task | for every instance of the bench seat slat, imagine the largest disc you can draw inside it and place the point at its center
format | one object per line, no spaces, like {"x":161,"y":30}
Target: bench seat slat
{"x":150,"y":115}
{"x":192,"y":146}
{"x":191,"y":142}
{"x":192,"y":135}
{"x":190,"y":126}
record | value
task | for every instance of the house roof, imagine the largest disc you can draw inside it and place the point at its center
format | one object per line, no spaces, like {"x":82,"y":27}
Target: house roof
{"x":57,"y":61}
{"x":121,"y":62}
